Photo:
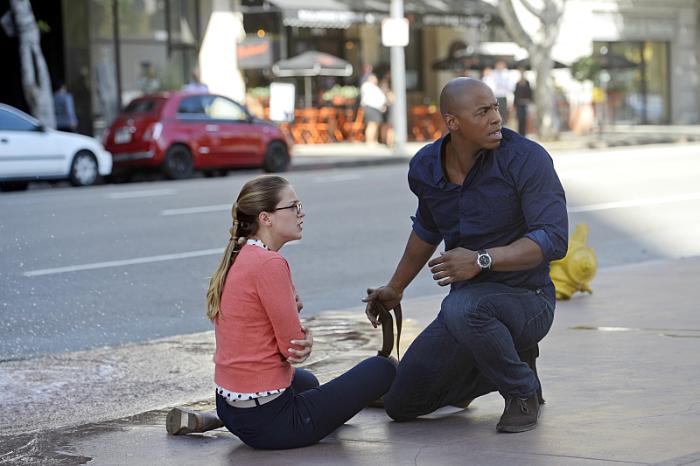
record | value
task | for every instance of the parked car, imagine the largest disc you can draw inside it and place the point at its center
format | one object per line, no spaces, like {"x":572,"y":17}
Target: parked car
{"x":29,"y":152}
{"x":181,"y":132}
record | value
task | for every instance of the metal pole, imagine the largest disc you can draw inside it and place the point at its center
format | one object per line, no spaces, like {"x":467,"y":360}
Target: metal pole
{"x":307,"y":91}
{"x":398,"y":85}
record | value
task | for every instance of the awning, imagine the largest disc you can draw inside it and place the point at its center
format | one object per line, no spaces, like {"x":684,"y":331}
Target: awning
{"x":343,"y":14}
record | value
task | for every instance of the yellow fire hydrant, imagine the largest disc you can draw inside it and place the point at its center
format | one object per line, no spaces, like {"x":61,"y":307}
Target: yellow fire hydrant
{"x":575,"y":271}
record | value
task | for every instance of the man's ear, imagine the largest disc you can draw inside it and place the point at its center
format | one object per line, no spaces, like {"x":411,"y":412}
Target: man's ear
{"x":451,"y":122}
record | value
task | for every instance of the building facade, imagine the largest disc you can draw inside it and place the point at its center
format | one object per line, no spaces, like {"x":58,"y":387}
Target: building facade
{"x":109,"y":51}
{"x":660,"y":38}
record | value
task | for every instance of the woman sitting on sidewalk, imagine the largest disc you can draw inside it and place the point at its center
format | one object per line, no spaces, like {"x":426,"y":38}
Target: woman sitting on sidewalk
{"x":260,"y":397}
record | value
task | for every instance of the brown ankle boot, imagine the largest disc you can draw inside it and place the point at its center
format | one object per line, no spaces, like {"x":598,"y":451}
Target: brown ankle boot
{"x":528,"y":357}
{"x":181,"y":421}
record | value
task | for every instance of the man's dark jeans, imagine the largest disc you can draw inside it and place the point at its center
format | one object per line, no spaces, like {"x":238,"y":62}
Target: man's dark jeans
{"x":471,"y":349}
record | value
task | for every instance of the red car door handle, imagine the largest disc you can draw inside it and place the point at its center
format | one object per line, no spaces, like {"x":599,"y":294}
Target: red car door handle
{"x":212,"y":128}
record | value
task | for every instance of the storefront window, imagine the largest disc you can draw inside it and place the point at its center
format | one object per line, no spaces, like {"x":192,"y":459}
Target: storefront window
{"x":101,"y":19}
{"x":155,"y":49}
{"x":636,"y":83}
{"x":183,"y":22}
{"x":142,"y":19}
{"x":158,"y":41}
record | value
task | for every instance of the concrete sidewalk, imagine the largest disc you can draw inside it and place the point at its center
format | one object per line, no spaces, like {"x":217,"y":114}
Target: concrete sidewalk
{"x":619,"y":370}
{"x":343,"y":155}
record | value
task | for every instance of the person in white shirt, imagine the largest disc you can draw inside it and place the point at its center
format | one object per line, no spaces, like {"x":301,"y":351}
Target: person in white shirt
{"x":373,"y":102}
{"x":195,"y":84}
{"x":503,"y":86}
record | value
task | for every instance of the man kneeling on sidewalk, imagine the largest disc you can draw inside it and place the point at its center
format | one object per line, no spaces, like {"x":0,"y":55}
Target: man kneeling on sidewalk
{"x":494,"y":198}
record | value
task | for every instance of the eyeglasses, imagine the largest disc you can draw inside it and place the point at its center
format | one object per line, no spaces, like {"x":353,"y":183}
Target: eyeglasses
{"x":296,"y":205}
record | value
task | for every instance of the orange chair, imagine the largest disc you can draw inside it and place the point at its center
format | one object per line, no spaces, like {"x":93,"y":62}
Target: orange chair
{"x":354,"y":129}
{"x":425,"y":123}
{"x":328,"y":125}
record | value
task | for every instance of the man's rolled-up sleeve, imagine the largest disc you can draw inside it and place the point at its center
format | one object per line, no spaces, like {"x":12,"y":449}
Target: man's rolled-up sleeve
{"x":423,"y":223}
{"x":544,"y":205}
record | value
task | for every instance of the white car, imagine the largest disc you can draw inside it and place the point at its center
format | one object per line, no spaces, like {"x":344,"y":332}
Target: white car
{"x":30,"y":152}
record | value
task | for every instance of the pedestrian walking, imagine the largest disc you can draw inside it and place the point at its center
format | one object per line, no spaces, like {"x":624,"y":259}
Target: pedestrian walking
{"x":64,"y":108}
{"x":373,"y":102}
{"x":195,"y":83}
{"x":503,"y":89}
{"x":387,"y":127}
{"x":522,"y":98}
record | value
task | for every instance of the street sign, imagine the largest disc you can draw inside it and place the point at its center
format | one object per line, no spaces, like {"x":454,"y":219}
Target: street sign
{"x":282,"y":101}
{"x":395,"y":32}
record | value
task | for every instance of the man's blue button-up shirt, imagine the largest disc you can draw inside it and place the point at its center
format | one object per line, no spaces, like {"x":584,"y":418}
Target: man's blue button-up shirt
{"x":511,"y":192}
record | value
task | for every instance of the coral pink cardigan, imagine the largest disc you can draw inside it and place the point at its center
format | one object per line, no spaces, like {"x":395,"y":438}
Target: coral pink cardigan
{"x":257,"y":319}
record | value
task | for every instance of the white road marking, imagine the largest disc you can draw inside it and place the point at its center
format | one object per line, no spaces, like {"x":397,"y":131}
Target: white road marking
{"x":196,"y":210}
{"x":120,"y":263}
{"x":145,"y":193}
{"x":134,"y":261}
{"x":634,"y":203}
{"x":336,"y":178}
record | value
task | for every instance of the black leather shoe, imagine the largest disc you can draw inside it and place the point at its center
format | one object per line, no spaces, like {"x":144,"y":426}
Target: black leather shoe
{"x":520,"y":414}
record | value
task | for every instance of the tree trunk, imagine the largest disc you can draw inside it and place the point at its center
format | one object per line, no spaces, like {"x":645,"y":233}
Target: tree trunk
{"x":548,"y":123}
{"x":540,"y":50}
{"x":35,"y":74}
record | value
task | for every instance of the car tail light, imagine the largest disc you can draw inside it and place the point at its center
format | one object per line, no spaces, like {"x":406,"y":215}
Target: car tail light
{"x":152,"y":133}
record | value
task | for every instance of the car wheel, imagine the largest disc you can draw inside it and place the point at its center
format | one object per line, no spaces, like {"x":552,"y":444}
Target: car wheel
{"x":83,"y":170}
{"x":8,"y":186}
{"x":276,"y":158}
{"x":178,"y":163}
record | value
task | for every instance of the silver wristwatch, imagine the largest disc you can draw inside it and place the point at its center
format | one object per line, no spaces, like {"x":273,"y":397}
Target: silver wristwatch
{"x":483,"y":260}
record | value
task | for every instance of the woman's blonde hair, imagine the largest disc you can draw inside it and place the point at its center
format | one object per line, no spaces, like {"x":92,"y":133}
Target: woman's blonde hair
{"x":260,"y":194}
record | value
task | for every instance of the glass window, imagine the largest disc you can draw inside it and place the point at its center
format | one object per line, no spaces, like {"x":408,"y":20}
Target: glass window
{"x":224,"y":109}
{"x":183,"y":20}
{"x":143,"y":106}
{"x":10,"y":121}
{"x":142,"y":19}
{"x":636,"y":83}
{"x":101,"y":19}
{"x":192,"y":107}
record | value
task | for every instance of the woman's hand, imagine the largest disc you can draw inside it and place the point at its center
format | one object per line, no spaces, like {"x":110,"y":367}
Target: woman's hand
{"x":299,"y":356}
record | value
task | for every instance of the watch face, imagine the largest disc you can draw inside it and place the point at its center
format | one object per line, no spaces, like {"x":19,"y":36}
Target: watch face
{"x":484,"y":261}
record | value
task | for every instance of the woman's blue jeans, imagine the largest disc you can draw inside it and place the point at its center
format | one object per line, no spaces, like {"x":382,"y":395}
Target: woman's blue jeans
{"x":471,"y":349}
{"x":306,"y":412}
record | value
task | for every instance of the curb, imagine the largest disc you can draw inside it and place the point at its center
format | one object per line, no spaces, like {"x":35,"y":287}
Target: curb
{"x":349,"y":163}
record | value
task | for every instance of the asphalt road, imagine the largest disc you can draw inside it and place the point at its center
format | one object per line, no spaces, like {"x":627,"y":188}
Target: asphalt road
{"x":93,"y":267}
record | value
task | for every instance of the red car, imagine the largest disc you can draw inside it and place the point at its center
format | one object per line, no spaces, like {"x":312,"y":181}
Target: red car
{"x":182,"y":132}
